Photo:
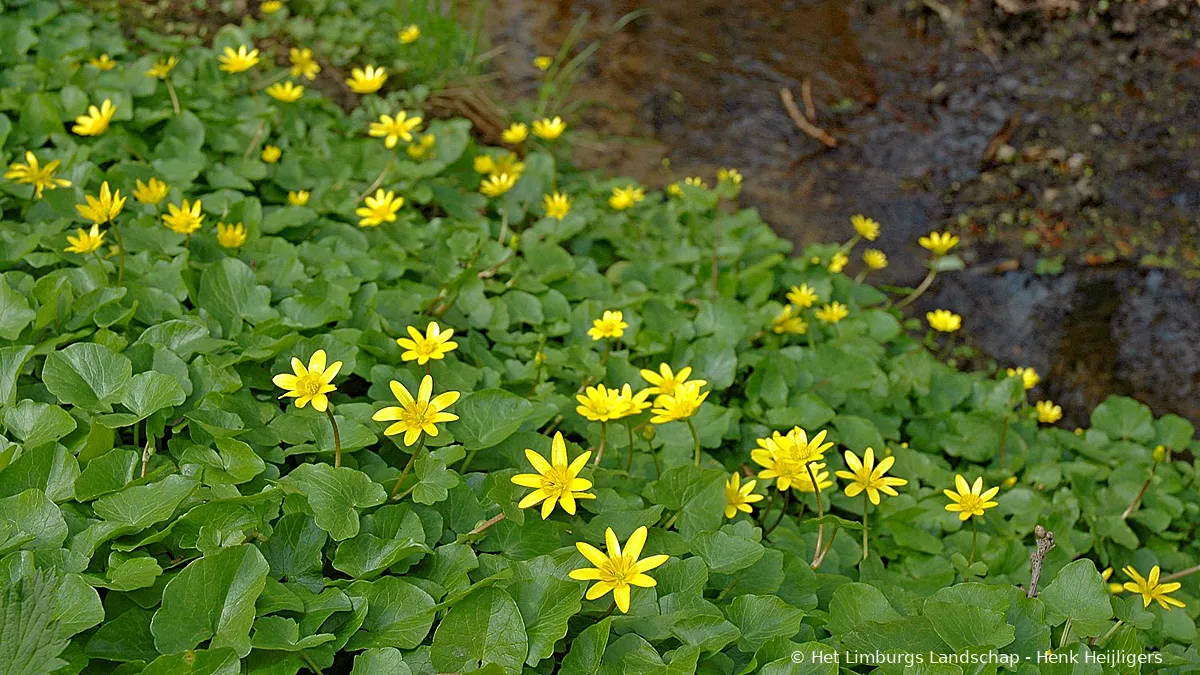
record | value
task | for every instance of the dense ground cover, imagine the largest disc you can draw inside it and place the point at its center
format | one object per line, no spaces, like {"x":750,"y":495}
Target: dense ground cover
{"x":211,"y":237}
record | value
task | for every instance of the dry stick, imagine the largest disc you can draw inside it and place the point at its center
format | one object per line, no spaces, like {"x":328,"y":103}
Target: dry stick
{"x":146,"y":452}
{"x":1045,"y":542}
{"x":803,"y":124}
{"x":1180,"y":574}
{"x":486,"y":524}
{"x":806,"y":95}
{"x":1142,"y":493}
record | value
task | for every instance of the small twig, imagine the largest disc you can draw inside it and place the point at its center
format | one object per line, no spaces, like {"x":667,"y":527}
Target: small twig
{"x":1180,"y":574}
{"x":1141,"y":493}
{"x":486,"y":524}
{"x":810,"y":110}
{"x":147,"y":452}
{"x":1045,"y":542}
{"x":804,"y":125}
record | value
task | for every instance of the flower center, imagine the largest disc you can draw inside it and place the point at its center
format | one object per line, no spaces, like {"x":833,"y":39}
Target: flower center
{"x":418,"y":415}
{"x":970,"y":502}
{"x":557,"y":481}
{"x":309,"y":385}
{"x":618,"y":571}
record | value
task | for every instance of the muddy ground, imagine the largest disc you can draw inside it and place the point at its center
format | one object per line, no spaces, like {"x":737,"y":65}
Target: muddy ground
{"x":1061,"y":144}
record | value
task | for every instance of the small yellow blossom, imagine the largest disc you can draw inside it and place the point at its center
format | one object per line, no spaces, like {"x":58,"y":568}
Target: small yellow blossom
{"x":600,"y":404}
{"x":666,"y":381}
{"x":729,"y":176}
{"x":631,"y":403}
{"x":152,"y":191}
{"x":303,"y":63}
{"x":433,"y":345}
{"x":557,"y":205}
{"x":1047,"y":412}
{"x":422,"y":147}
{"x":788,"y":322}
{"x":507,"y":163}
{"x":625,"y":197}
{"x":515,"y":133}
{"x":618,"y":570}
{"x":1029,"y":376}
{"x":309,"y":384}
{"x":739,"y":497}
{"x":271,"y":6}
{"x":380,"y":208}
{"x":415,"y":416}
{"x":1151,"y":589}
{"x":675,"y":190}
{"x":549,"y":129}
{"x":970,"y":500}
{"x":542,"y":63}
{"x":102,"y":62}
{"x":838,"y":262}
{"x":679,"y":404}
{"x":1159,"y":454}
{"x":938,"y":243}
{"x":409,"y":34}
{"x":162,"y":67}
{"x":85,"y":241}
{"x":802,"y":296}
{"x":238,"y":61}
{"x":288,"y":92}
{"x":696,"y":182}
{"x":875,"y":259}
{"x":367,"y":80}
{"x":231,"y":235}
{"x":495,"y":185}
{"x":804,"y":482}
{"x":944,"y":321}
{"x":611,"y":325}
{"x":183,"y":219}
{"x":102,"y":208}
{"x":865,"y":227}
{"x":271,"y":154}
{"x":868,"y":476}
{"x":833,"y":312}
{"x":298,"y":197}
{"x":556,"y":481}
{"x":395,"y":129}
{"x":95,"y":122}
{"x":33,"y":173}
{"x":785,"y":457}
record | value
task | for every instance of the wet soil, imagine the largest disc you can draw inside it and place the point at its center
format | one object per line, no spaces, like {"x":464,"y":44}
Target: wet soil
{"x":1061,"y":145}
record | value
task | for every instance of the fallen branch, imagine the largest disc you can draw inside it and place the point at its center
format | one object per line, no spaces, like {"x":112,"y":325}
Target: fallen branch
{"x":1045,"y":542}
{"x":802,"y":123}
{"x":810,"y":110}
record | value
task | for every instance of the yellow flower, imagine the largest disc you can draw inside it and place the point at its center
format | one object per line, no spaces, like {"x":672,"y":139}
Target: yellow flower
{"x":497,"y":184}
{"x":507,"y":163}
{"x":834,"y":312}
{"x":865,"y":227}
{"x":381,"y":208}
{"x":231,"y":235}
{"x":102,"y":62}
{"x":435,"y":344}
{"x":271,"y":6}
{"x":611,"y":325}
{"x":600,"y":404}
{"x":542,"y":63}
{"x":151,"y":192}
{"x":557,"y":205}
{"x":785,"y":457}
{"x":867,"y":476}
{"x":1009,"y":482}
{"x":1151,"y":589}
{"x":85,"y":241}
{"x":618,"y":570}
{"x":184,"y":219}
{"x":665,"y":381}
{"x":1029,"y":376}
{"x":944,"y":321}
{"x":696,"y":182}
{"x":1047,"y":412}
{"x":240,"y":61}
{"x":102,"y":208}
{"x":271,"y":154}
{"x":675,"y":190}
{"x":738,"y":497}
{"x":162,"y":67}
{"x":287,"y":92}
{"x":32,"y":173}
{"x":939,"y":243}
{"x":421,"y":148}
{"x":838,"y":262}
{"x":515,"y":133}
{"x":556,"y":481}
{"x":303,"y":63}
{"x":367,"y":80}
{"x":414,"y":416}
{"x":549,"y":129}
{"x":875,"y":259}
{"x":1159,"y":454}
{"x":409,"y":34}
{"x":309,"y":384}
{"x":631,"y":403}
{"x":970,"y":500}
{"x":623,"y":198}
{"x":298,"y":197}
{"x":802,"y":296}
{"x":729,"y":176}
{"x":804,"y":482}
{"x":95,"y":122}
{"x":787,"y":322}
{"x":395,"y":129}
{"x":679,"y":404}
{"x":1106,"y":574}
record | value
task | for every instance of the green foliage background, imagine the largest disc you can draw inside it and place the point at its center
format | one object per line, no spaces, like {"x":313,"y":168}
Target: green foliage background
{"x":241,"y":549}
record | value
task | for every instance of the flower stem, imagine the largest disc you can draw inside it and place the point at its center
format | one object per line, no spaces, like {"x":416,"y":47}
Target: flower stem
{"x":149,"y":450}
{"x":695,"y":439}
{"x":174,"y":96}
{"x":629,"y":457}
{"x":866,"y":511}
{"x":378,"y":180}
{"x":654,"y":455}
{"x":918,"y":291}
{"x":1104,"y":638}
{"x":120,"y":252}
{"x":787,"y":498}
{"x":820,"y":510}
{"x":1180,"y":574}
{"x":607,"y":351}
{"x":1141,"y":493}
{"x":408,"y":467}
{"x":974,"y":538}
{"x":337,"y":438}
{"x":603,"y":442}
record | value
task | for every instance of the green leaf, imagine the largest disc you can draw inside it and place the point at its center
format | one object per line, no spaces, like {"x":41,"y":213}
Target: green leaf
{"x":199,"y":662}
{"x":726,"y":552}
{"x":1122,"y":417}
{"x":229,"y":292}
{"x":761,"y":618}
{"x":35,"y":519}
{"x":708,"y":633}
{"x":211,"y":599}
{"x":547,"y":601}
{"x":485,"y":628}
{"x":15,"y":312}
{"x":385,"y":661}
{"x":147,"y":393}
{"x":294,"y":548}
{"x":133,"y":574}
{"x":107,"y":473}
{"x":399,"y":614}
{"x":389,"y":535}
{"x":487,"y":417}
{"x":87,"y":375}
{"x":854,"y":604}
{"x":587,"y":650}
{"x":965,"y":626}
{"x":335,"y":496}
{"x":30,"y":640}
{"x":278,"y":633}
{"x":51,"y":470}
{"x":12,"y":361}
{"x":1077,"y":593}
{"x":141,"y":506}
{"x":434,"y":479}
{"x":36,"y":423}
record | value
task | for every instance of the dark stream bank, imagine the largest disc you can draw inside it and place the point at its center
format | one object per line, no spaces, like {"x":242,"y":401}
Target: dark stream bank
{"x":1061,"y":146}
